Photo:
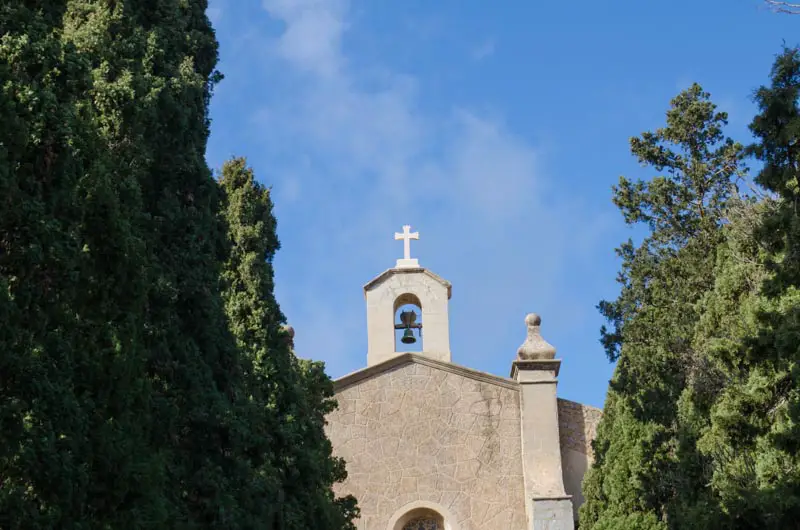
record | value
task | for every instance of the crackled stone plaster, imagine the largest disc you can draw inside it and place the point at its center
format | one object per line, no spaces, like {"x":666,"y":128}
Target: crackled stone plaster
{"x":418,"y":433}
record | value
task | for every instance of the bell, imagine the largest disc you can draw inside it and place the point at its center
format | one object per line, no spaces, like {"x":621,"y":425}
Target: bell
{"x":408,"y":337}
{"x":408,"y":318}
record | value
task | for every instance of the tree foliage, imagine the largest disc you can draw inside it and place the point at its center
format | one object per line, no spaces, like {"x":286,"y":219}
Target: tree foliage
{"x":702,"y":428}
{"x":645,"y":463}
{"x":75,"y":440}
{"x":787,"y":8}
{"x":756,"y":421}
{"x":290,"y":396}
{"x":143,"y":378}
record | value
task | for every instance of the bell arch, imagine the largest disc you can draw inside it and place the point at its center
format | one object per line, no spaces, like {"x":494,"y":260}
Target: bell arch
{"x":407,"y":299}
{"x":386,"y":293}
{"x":403,"y":330}
{"x":422,"y":515}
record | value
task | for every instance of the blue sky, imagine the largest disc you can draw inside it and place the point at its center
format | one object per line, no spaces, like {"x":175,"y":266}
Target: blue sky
{"x":496,"y":129}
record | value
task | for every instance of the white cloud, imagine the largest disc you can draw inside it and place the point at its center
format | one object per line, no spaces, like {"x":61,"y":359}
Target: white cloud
{"x":312,"y":39}
{"x":364,"y":158}
{"x":484,"y":50}
{"x":380,"y":132}
{"x":214,"y":11}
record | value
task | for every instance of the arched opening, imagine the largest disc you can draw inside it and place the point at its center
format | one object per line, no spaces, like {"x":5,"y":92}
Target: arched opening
{"x":407,"y":323}
{"x":421,"y":519}
{"x":422,"y":515}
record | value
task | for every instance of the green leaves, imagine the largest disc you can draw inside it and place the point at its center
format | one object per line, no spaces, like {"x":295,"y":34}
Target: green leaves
{"x":145,"y":379}
{"x":289,"y":397}
{"x":702,"y":425}
{"x":754,"y":432}
{"x":647,"y":469}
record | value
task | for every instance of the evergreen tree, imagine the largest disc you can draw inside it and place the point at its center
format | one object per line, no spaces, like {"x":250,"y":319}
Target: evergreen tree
{"x":728,"y":322}
{"x":290,"y":397}
{"x":152,"y":69}
{"x":74,"y":443}
{"x":118,"y":372}
{"x":130,"y":397}
{"x":647,"y":472}
{"x":754,"y":432}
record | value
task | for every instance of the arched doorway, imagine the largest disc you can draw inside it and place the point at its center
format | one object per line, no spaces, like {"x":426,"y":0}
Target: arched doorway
{"x":422,"y":515}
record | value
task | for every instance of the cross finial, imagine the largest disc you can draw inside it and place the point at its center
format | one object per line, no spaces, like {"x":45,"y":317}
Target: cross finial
{"x":407,"y":236}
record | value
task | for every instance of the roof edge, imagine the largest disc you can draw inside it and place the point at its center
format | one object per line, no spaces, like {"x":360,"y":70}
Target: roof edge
{"x":406,"y":270}
{"x":358,"y":376}
{"x":582,"y":405}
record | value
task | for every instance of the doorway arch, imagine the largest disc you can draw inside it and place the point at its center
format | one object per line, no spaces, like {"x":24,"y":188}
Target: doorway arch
{"x":432,"y":514}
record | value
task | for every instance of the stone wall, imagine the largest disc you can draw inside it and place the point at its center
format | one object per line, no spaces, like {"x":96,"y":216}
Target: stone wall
{"x":421,"y":433}
{"x":577,"y":426}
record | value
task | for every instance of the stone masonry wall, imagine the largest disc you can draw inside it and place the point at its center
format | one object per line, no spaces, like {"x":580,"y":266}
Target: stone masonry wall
{"x":577,"y":426}
{"x":417,"y":433}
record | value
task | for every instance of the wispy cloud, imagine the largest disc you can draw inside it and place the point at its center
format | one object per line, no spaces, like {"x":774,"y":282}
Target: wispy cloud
{"x":367,"y":124}
{"x":360,"y":157}
{"x":312,"y":39}
{"x":215,"y":14}
{"x":483,"y":50}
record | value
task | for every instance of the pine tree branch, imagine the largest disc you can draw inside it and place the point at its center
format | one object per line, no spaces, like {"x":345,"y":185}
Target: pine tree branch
{"x":789,"y":8}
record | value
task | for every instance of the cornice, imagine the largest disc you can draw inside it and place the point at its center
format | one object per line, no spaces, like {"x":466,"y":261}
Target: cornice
{"x":397,"y":361}
{"x":416,"y":270}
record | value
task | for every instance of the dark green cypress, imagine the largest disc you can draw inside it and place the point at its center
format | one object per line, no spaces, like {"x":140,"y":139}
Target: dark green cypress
{"x":75,"y":406}
{"x":290,"y":397}
{"x":754,"y":432}
{"x":153,"y":70}
{"x":129,"y":397}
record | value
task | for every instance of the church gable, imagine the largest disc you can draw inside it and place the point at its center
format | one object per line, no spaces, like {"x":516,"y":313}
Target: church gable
{"x":428,"y":443}
{"x":402,"y":359}
{"x":414,"y":429}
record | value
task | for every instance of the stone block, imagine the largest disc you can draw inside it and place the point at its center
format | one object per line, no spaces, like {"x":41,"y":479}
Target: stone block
{"x":553,"y":514}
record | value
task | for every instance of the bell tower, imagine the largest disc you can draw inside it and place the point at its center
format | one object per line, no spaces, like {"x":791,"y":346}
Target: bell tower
{"x":407,"y":309}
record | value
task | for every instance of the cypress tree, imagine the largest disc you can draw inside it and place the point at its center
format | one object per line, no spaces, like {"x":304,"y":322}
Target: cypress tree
{"x":130,"y":397}
{"x":754,"y":431}
{"x":121,"y":375}
{"x":74,"y":446}
{"x":647,"y":470}
{"x":728,"y":322}
{"x":153,"y":68}
{"x":290,"y":396}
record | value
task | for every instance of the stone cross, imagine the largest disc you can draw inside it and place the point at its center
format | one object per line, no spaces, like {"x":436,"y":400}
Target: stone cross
{"x":406,"y":236}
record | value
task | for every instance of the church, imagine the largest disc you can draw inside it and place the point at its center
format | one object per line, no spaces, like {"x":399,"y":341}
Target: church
{"x":432,"y":445}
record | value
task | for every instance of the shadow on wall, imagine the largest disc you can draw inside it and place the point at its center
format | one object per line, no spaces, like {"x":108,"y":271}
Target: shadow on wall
{"x":577,"y":424}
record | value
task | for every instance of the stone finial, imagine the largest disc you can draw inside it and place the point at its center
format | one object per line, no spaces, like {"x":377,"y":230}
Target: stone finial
{"x":289,"y":335}
{"x":535,"y":347}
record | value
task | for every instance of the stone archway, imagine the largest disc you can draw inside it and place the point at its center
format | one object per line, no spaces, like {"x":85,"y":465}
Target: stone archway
{"x":422,"y":515}
{"x":408,"y":302}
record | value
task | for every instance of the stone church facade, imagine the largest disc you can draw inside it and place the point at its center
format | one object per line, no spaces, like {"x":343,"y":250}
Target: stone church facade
{"x":431,"y":445}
